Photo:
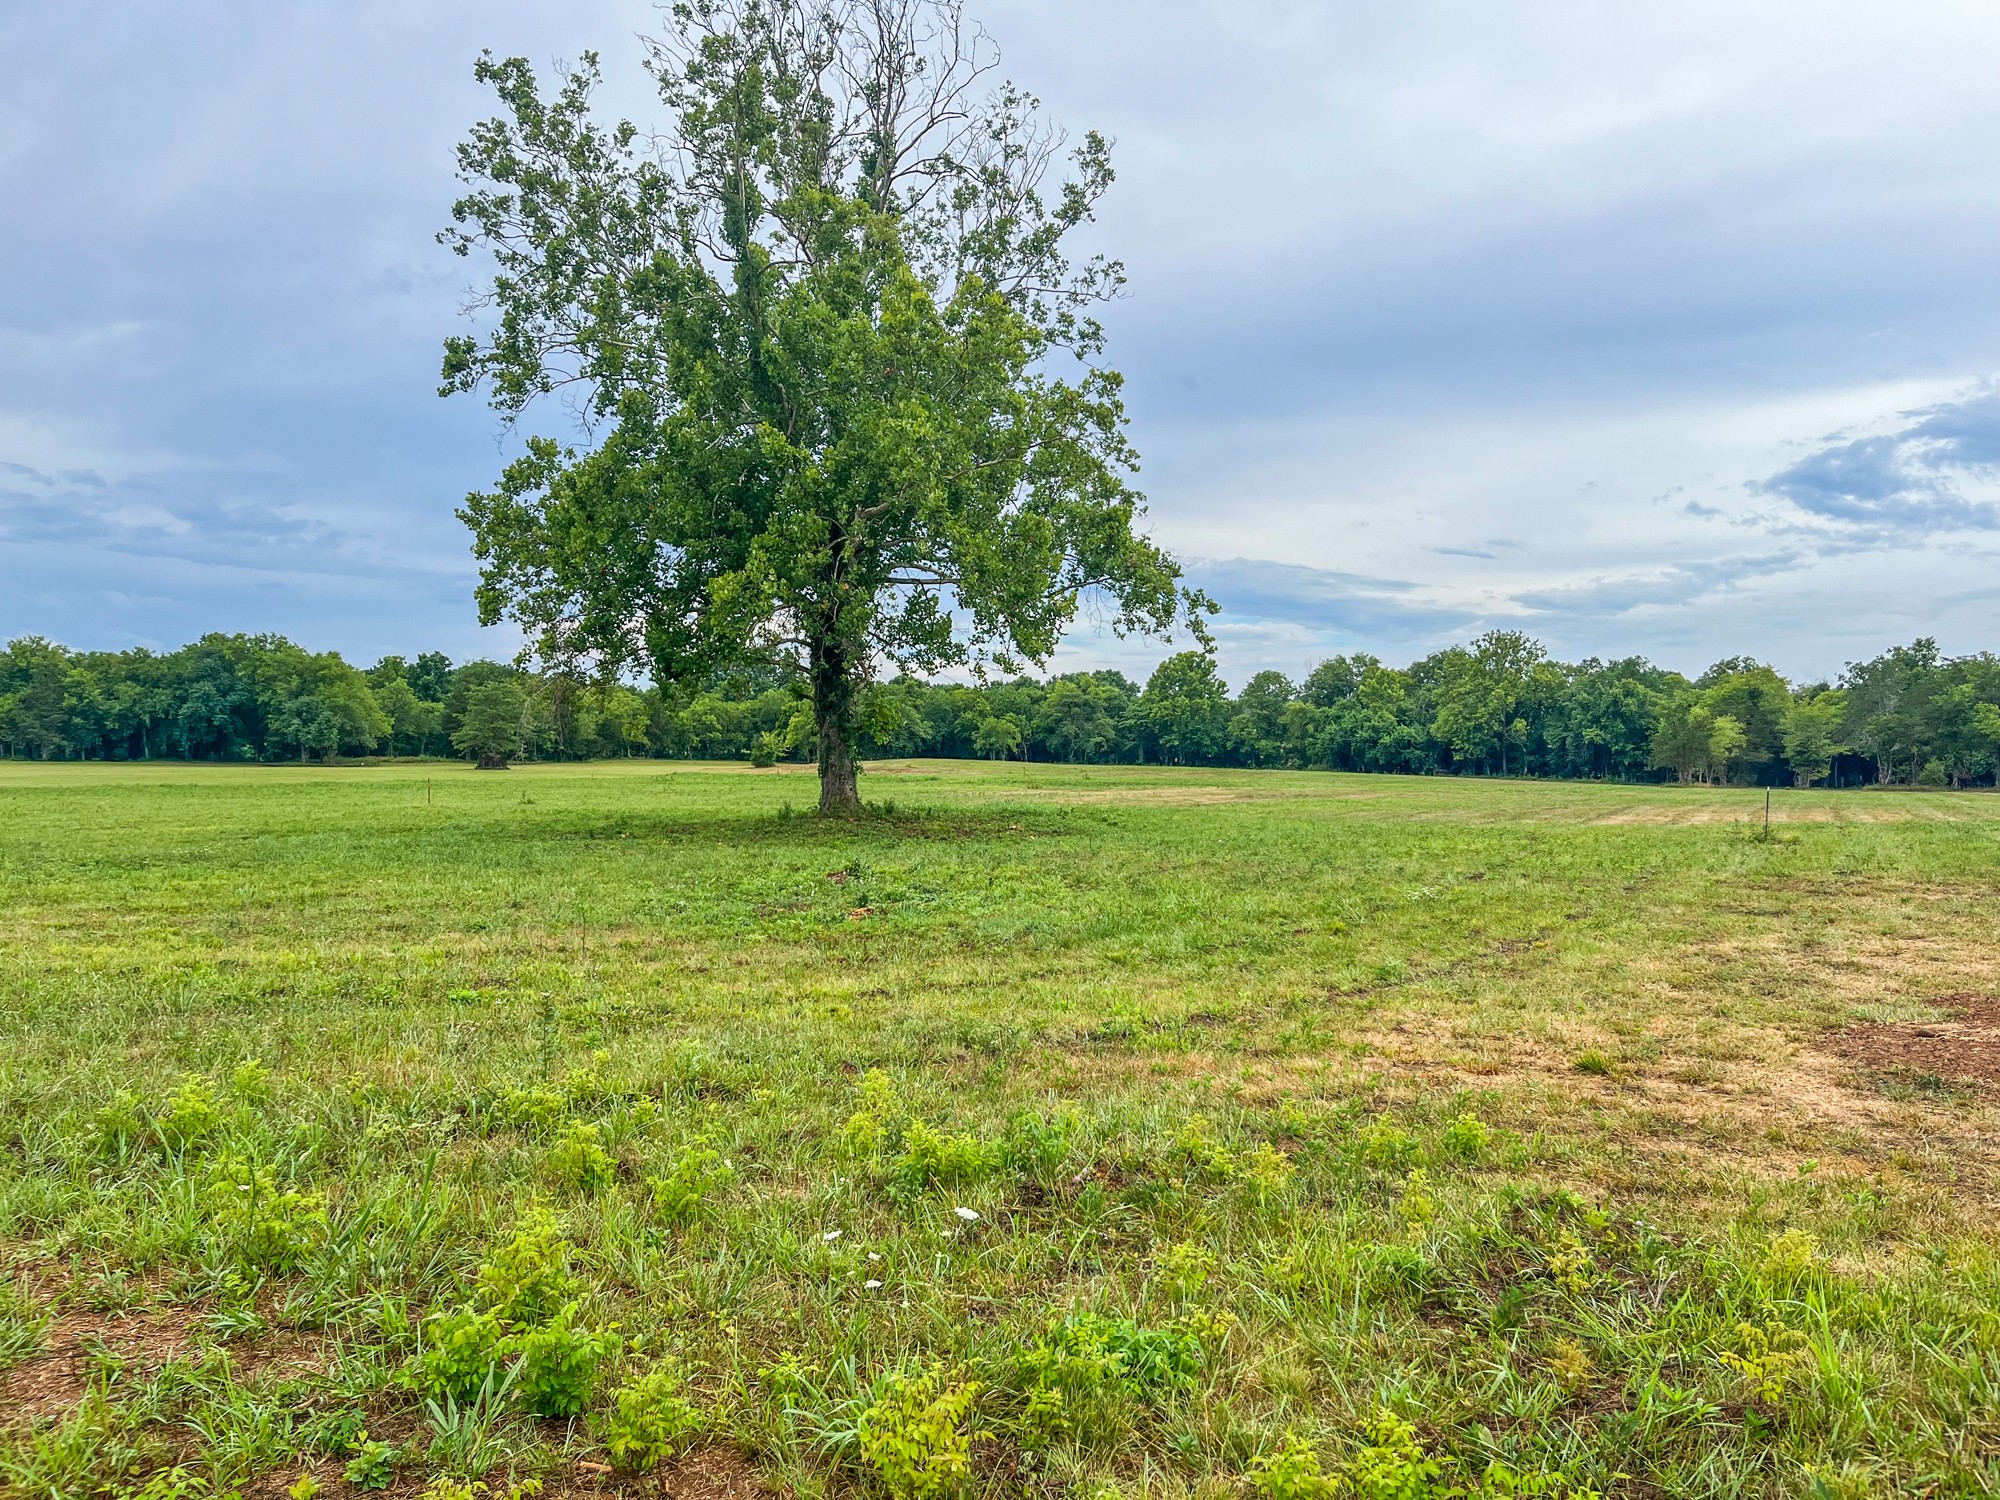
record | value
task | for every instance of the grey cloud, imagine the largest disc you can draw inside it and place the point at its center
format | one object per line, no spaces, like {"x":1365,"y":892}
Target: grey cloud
{"x":178,"y":516}
{"x":1339,"y":604}
{"x":1465,"y":552}
{"x":1611,"y":598}
{"x":1909,"y":481}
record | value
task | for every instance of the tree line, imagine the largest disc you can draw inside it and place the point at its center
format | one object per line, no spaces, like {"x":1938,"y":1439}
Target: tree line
{"x":1497,"y":706}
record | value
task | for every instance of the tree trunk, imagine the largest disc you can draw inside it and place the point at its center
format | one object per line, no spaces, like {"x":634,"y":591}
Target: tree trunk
{"x":839,"y":796}
{"x":833,"y":703}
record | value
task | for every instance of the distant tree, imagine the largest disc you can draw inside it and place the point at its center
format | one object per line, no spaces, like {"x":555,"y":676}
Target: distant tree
{"x":1954,"y":729}
{"x":1813,"y":735}
{"x":306,"y":722}
{"x":1257,"y":729}
{"x":491,"y":726}
{"x":34,"y":674}
{"x":624,"y":716}
{"x":1681,"y":740}
{"x":819,"y":332}
{"x":395,"y":697}
{"x":1986,"y":726}
{"x":413,"y":721}
{"x":1727,"y":742}
{"x":998,"y":738}
{"x":1603,"y":722}
{"x":1887,"y":699}
{"x":1186,"y":709}
{"x":430,"y":676}
{"x":1335,"y":678}
{"x":386,"y":670}
{"x":1478,"y":689}
{"x":1075,"y":719}
{"x":1756,"y":697}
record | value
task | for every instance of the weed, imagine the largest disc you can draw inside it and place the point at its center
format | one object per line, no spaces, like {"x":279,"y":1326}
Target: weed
{"x":192,"y":1115}
{"x":1185,"y":1268}
{"x":1391,"y":1465}
{"x":1266,"y":1170}
{"x":177,"y":1483}
{"x":1385,"y":1145}
{"x":578,"y":1160}
{"x":1086,"y":1349}
{"x":120,"y":1124}
{"x":537,"y":1110}
{"x":691,"y":1183}
{"x":559,"y":1363}
{"x":914,"y":1433}
{"x":650,"y":1421}
{"x":1791,"y":1255}
{"x":1766,"y":1356}
{"x":1291,"y":1473}
{"x":1570,"y":1363}
{"x":1416,"y":1205}
{"x":1396,"y":1271}
{"x":1569,"y":1262}
{"x":251,"y":1082}
{"x":463,"y":1348}
{"x":527,"y":1279}
{"x":1202,"y":1152}
{"x":930,"y":1158}
{"x":1465,"y":1138}
{"x":374,"y":1465}
{"x":270,"y":1230}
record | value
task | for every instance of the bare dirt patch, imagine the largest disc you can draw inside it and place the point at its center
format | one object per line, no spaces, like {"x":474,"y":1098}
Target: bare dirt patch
{"x":1966,"y":1047}
{"x":711,"y":1474}
{"x":80,"y":1341}
{"x":73,"y":1347}
{"x":715,"y":1473}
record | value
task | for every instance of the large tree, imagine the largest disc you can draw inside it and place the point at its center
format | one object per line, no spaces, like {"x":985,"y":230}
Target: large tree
{"x":837,"y":373}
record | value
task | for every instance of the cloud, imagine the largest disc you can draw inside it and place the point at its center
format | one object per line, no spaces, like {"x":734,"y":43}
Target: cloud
{"x":1910,"y":482}
{"x":164,"y":515}
{"x":1466,"y":552}
{"x":1665,"y":588}
{"x":1340,"y":606}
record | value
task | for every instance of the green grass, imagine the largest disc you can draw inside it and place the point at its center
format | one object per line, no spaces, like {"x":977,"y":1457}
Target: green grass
{"x":1324,"y":1134}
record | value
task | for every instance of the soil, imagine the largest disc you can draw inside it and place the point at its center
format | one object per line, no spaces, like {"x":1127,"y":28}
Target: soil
{"x":714,"y":1473}
{"x":1965,"y":1047}
{"x":53,"y":1382}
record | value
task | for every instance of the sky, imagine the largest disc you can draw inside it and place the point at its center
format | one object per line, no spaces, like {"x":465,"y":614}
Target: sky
{"x":1660,"y":330}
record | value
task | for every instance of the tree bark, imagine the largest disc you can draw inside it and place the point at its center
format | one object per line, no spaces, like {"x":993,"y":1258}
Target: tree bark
{"x":833,"y":704}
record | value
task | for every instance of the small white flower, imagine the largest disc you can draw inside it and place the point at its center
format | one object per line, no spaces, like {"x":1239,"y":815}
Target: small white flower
{"x":873,"y":1256}
{"x":970,"y":1215}
{"x":830,"y":1236}
{"x":871,"y":1285}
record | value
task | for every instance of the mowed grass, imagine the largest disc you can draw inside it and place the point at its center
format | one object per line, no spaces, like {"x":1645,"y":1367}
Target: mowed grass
{"x":1059,"y":1130}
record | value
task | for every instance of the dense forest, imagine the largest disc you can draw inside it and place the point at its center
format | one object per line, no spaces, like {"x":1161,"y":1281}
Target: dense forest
{"x":1498,"y":706}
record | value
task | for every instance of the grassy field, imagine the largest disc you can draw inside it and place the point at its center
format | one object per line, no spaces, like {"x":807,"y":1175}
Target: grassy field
{"x":1070,"y":1131}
